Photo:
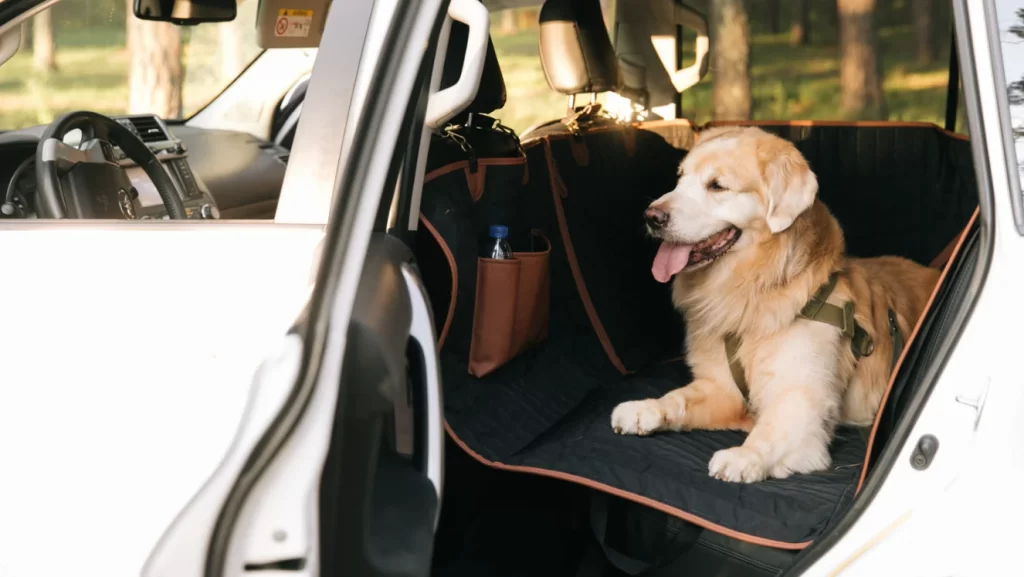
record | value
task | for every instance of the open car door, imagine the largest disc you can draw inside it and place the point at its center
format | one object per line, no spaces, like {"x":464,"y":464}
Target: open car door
{"x":380,"y":491}
{"x":337,"y":467}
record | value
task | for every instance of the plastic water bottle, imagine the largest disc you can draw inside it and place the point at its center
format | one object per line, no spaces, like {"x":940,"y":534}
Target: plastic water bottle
{"x":497,"y":246}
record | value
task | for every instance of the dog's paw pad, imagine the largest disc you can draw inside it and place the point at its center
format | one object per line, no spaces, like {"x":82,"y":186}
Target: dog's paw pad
{"x":737,"y":465}
{"x":637,"y":417}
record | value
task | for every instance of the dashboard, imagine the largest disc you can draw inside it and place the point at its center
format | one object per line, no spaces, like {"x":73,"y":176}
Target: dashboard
{"x":246,"y":173}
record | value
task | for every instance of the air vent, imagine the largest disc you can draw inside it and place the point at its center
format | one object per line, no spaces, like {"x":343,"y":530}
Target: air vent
{"x":148,"y":128}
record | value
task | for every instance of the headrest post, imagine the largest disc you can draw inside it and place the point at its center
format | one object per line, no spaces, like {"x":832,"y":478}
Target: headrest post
{"x":572,"y":103}
{"x":593,"y":98}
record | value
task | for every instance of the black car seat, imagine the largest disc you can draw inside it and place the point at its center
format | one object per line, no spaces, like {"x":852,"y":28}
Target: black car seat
{"x":472,"y":133}
{"x":536,"y":350}
{"x":603,"y":174}
{"x":477,"y":175}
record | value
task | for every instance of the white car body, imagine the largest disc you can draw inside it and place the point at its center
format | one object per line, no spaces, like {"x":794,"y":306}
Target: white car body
{"x":117,"y":339}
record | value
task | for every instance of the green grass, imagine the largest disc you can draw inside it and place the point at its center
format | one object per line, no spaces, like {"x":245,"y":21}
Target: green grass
{"x":787,"y":82}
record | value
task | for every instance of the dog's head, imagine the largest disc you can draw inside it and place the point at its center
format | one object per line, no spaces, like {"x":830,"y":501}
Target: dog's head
{"x":736,"y":187}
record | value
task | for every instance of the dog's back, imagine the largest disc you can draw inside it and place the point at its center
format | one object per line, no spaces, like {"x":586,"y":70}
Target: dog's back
{"x":878,"y":285}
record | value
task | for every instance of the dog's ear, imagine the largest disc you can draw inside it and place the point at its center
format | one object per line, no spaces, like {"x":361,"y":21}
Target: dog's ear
{"x":791,"y":186}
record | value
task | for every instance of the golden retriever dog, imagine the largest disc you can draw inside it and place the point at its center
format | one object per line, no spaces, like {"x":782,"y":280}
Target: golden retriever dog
{"x":746,"y":244}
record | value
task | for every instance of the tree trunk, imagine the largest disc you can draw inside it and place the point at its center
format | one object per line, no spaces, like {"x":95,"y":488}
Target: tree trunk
{"x":730,"y":60}
{"x":508,"y":22}
{"x":527,"y":18}
{"x":860,"y":84}
{"x":925,"y":47}
{"x":775,"y":16}
{"x":155,"y":74}
{"x":230,"y":37}
{"x":800,"y":29}
{"x":43,"y":49}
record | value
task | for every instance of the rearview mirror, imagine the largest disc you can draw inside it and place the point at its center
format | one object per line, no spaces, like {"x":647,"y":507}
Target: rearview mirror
{"x":185,"y":12}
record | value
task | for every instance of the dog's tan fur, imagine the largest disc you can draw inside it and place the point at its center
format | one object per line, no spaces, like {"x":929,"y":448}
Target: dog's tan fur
{"x":802,"y":375}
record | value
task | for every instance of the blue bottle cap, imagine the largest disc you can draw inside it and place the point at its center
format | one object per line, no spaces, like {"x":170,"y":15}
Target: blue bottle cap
{"x":499,"y":231}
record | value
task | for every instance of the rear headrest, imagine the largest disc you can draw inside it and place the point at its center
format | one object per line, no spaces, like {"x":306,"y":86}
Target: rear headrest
{"x":575,"y":49}
{"x":491,"y":94}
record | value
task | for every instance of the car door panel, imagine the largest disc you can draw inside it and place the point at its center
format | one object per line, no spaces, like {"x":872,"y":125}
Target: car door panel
{"x":381,"y":485}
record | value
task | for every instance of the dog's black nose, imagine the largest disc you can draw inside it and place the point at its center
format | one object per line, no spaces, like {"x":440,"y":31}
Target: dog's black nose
{"x":656,"y":218}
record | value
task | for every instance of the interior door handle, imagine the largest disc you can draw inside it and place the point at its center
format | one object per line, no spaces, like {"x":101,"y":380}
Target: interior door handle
{"x":422,"y":330}
{"x":446,"y":103}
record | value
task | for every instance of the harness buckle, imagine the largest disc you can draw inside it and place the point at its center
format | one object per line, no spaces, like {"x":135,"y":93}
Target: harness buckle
{"x":860,"y":340}
{"x":849,"y":323}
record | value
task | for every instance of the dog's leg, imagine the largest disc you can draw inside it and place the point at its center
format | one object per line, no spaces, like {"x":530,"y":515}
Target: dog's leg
{"x":703,"y":404}
{"x":797,"y":400}
{"x":791,"y":436}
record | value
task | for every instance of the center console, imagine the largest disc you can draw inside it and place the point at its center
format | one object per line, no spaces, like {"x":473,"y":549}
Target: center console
{"x":199,"y":204}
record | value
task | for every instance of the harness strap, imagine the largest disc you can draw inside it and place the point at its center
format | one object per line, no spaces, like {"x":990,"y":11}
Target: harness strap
{"x":897,"y":340}
{"x":732,"y":345}
{"x":818,"y":309}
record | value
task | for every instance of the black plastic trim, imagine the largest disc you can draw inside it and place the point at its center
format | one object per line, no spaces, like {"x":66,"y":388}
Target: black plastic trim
{"x":952,"y":85}
{"x":11,"y":9}
{"x":960,"y":311}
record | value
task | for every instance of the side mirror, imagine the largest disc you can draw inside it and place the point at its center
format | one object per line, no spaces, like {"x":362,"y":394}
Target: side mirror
{"x":185,"y":12}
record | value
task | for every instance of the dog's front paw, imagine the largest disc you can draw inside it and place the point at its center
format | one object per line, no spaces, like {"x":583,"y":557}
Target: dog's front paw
{"x":638,"y":417}
{"x":737,"y":465}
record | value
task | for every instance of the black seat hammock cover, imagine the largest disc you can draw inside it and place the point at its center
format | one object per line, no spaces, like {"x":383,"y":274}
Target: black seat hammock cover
{"x":610,"y":333}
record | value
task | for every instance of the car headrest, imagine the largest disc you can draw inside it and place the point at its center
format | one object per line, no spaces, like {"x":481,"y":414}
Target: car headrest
{"x":575,"y":50}
{"x":491,"y":94}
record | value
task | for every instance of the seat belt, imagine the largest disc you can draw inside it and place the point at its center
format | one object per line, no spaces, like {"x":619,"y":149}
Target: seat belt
{"x":818,"y":309}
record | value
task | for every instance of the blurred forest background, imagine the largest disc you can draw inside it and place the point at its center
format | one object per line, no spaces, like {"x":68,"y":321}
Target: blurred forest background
{"x":770,"y":59}
{"x":95,"y":55}
{"x":776,"y":60}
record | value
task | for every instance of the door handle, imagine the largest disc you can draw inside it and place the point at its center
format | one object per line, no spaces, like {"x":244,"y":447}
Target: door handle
{"x":977,"y":403}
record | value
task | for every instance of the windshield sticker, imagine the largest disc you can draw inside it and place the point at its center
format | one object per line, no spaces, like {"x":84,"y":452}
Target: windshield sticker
{"x":293,"y":23}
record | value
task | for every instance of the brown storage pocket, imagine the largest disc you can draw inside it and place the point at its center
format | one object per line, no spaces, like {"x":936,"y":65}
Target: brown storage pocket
{"x":512,"y":305}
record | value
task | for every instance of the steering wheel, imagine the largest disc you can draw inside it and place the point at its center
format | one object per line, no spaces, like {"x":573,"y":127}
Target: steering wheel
{"x":88,"y":182}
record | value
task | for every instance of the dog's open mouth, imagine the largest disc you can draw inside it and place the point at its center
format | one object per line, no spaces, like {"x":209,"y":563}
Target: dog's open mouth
{"x":672,"y":258}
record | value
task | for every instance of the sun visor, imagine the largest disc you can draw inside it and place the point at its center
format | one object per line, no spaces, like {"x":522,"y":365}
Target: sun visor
{"x":10,"y":41}
{"x":291,"y":23}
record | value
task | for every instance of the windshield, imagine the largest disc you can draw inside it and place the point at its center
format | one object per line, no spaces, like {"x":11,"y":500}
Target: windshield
{"x":95,"y":55}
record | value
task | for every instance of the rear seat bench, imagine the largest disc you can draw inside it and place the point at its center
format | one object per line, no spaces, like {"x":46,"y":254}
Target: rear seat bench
{"x":611,"y":325}
{"x":536,"y":352}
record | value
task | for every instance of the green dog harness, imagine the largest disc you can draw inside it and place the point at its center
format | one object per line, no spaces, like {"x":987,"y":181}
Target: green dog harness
{"x":841,"y":317}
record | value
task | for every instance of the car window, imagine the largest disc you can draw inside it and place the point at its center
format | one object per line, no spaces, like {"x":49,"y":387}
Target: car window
{"x":799,"y":65}
{"x":95,"y":55}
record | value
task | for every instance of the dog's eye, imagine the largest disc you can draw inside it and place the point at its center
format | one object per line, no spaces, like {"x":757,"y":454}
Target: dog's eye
{"x":715,"y":186}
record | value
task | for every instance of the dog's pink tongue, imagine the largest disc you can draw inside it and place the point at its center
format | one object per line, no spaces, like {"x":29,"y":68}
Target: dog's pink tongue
{"x":671,"y":259}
